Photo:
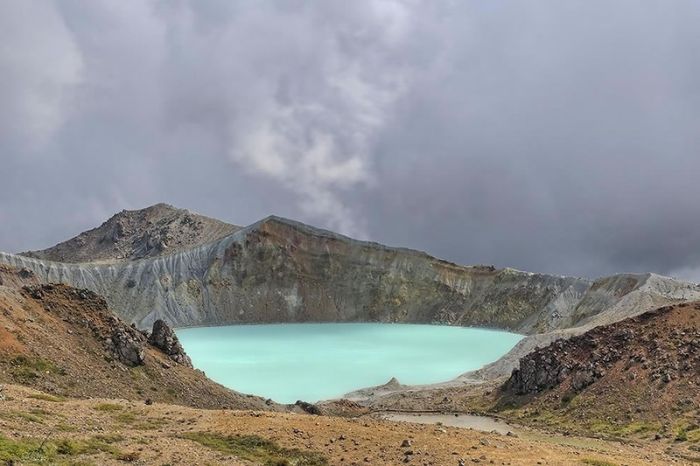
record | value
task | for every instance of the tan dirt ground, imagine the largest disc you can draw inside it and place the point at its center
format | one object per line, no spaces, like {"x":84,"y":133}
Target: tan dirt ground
{"x":143,"y":434}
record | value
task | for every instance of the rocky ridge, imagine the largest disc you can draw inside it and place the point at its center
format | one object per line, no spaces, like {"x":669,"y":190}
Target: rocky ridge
{"x":640,"y":341}
{"x":642,"y":371}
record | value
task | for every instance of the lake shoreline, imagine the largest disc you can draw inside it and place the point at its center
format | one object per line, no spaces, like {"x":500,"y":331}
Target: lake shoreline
{"x":321,"y":361}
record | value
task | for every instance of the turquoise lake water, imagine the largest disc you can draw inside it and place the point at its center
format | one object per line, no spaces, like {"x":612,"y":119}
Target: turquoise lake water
{"x":312,"y":362}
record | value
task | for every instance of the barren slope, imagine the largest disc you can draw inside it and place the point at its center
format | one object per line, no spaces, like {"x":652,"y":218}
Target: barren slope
{"x":67,"y":342}
{"x":639,"y":375}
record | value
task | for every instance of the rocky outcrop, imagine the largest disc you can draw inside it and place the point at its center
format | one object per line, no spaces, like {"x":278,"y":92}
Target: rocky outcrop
{"x":163,"y":338}
{"x":582,"y":360}
{"x":308,"y":408}
{"x":544,"y":369}
{"x":124,"y":342}
{"x":128,"y":345}
{"x":636,"y":377}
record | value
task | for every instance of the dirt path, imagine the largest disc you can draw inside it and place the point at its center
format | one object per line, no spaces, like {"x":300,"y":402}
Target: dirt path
{"x":464,"y":421}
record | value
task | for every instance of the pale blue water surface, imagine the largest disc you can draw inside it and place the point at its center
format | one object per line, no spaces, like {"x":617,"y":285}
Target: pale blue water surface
{"x":312,"y":362}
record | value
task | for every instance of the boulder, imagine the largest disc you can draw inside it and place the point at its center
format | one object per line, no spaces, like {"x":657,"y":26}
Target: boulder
{"x":127,"y":345}
{"x":164,"y":338}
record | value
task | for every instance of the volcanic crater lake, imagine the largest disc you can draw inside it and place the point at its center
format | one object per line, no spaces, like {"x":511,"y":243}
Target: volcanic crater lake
{"x":313,"y":362}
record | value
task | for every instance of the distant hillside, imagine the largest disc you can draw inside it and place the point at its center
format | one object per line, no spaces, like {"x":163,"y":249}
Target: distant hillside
{"x":637,"y":376}
{"x":67,"y":342}
{"x":136,"y":234}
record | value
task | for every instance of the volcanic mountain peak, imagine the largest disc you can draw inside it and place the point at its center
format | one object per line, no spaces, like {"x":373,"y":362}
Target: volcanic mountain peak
{"x":155,"y":231}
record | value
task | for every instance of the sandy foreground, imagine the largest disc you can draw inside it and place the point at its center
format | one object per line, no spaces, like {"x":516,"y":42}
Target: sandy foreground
{"x":133,"y":432}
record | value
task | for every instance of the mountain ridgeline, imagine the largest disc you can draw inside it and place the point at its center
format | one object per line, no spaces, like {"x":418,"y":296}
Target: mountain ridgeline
{"x":279,"y":270}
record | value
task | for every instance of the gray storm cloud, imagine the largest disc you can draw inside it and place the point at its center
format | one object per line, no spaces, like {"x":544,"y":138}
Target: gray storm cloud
{"x":295,"y":92}
{"x":549,"y":136}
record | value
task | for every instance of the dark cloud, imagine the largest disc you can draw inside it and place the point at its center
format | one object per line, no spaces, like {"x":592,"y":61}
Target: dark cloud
{"x":549,"y":136}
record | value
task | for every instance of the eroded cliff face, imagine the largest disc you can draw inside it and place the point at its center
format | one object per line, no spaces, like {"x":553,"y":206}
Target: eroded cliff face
{"x":278,"y":270}
{"x":284,"y":271}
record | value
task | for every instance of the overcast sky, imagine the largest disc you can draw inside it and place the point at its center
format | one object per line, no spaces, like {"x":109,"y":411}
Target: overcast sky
{"x":551,"y":136}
